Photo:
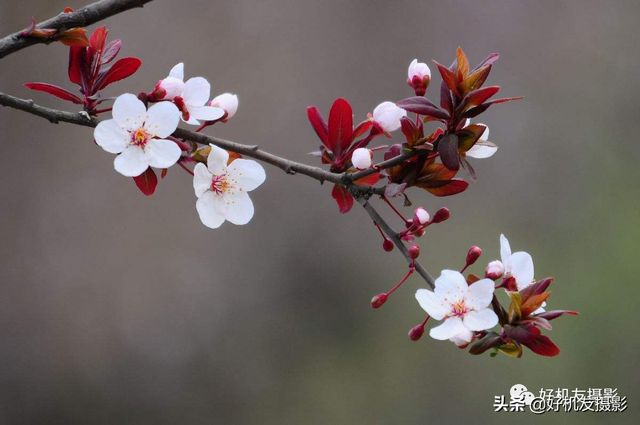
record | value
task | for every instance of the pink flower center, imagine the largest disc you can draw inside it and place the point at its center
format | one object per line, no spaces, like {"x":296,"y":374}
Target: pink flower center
{"x":459,"y":308}
{"x":140,"y":137}
{"x":220,"y":185}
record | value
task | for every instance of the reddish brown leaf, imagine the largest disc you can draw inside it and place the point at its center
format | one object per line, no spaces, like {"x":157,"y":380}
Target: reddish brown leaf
{"x":56,"y":91}
{"x":524,"y":333}
{"x":423,"y":106}
{"x":120,"y":70}
{"x":462,"y":67}
{"x":476,"y":79}
{"x":452,"y":187}
{"x":543,"y":346}
{"x":477,"y":97}
{"x":369,"y":180}
{"x":147,"y":182}
{"x":75,"y":56}
{"x":76,"y":37}
{"x":488,"y":61}
{"x":485,"y":343}
{"x":164,"y":172}
{"x":362,"y":128}
{"x":343,"y":198}
{"x":449,"y":78}
{"x":448,"y":150}
{"x":111,"y":51}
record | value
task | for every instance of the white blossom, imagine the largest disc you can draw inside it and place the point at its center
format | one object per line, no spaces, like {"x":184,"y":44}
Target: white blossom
{"x":388,"y":116}
{"x":483,"y":148}
{"x":464,"y":308}
{"x":222,"y":189}
{"x":138,"y":135}
{"x":361,"y":158}
{"x":226,"y":101}
{"x":418,"y":69}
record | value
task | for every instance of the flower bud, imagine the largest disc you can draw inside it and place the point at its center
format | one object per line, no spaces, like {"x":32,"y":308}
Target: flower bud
{"x":387,"y":115}
{"x":416,"y":332}
{"x":228,"y":102}
{"x":441,"y":215}
{"x":168,"y":89}
{"x":361,"y":158}
{"x":414,"y":252}
{"x":474,"y":253}
{"x":379,"y":300}
{"x":419,"y":76}
{"x":419,"y":233}
{"x":495,"y":270}
{"x":421,"y":216}
{"x":387,"y":245}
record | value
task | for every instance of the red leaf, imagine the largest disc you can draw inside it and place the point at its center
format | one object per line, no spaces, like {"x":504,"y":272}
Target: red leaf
{"x":554,"y":314}
{"x":543,"y":346}
{"x":343,"y":198}
{"x":445,"y":98}
{"x":488,"y":61}
{"x":452,"y":187}
{"x":340,"y":126}
{"x":98,"y":39}
{"x":120,"y":70}
{"x":319,"y":125}
{"x":163,"y":174}
{"x":474,"y":112}
{"x":448,"y":77}
{"x":423,"y":106}
{"x":111,"y":51}
{"x":525,"y":333}
{"x":147,"y":182}
{"x":55,"y":91}
{"x":477,"y":97}
{"x":76,"y":37}
{"x":362,"y":128}
{"x":76,"y":54}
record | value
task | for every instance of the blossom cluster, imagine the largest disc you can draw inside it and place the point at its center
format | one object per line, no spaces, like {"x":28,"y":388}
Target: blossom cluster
{"x":141,"y":133}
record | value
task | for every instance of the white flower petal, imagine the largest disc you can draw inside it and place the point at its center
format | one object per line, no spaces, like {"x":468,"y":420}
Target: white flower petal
{"x":129,"y":112}
{"x":463,"y":338}
{"x":482,"y":149}
{"x":196,"y":91}
{"x":206,"y":113}
{"x":217,"y":161}
{"x":485,"y":133}
{"x":226,"y":101}
{"x":202,"y":179}
{"x":448,"y":329}
{"x":162,"y":119}
{"x":480,"y":294}
{"x":249,"y":174}
{"x":431,"y":304}
{"x":162,"y":153}
{"x":211,"y":209}
{"x":451,"y":285}
{"x":190,"y":121}
{"x":361,"y":158}
{"x":522,"y":269}
{"x":172,"y":86}
{"x":239,"y":208}
{"x":388,"y":115}
{"x":177,"y":71}
{"x":131,"y":162}
{"x":111,"y":137}
{"x":505,"y":253}
{"x":480,"y":320}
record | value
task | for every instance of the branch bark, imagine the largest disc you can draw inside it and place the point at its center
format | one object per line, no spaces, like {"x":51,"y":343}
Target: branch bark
{"x":82,"y":17}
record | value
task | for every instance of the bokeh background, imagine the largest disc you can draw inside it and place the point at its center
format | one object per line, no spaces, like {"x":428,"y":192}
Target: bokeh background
{"x":117,"y":308}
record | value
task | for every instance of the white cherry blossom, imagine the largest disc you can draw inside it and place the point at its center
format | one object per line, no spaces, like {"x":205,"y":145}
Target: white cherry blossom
{"x":464,"y":308}
{"x":518,"y":266}
{"x":138,"y":135}
{"x":222,"y":189}
{"x":418,"y":69}
{"x":388,"y":116}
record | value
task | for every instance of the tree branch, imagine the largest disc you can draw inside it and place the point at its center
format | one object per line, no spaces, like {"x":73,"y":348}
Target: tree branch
{"x":80,"y":18}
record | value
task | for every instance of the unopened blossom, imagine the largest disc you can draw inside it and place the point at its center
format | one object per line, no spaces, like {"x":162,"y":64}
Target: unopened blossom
{"x":387,"y":115}
{"x":193,"y":98}
{"x":138,"y":135}
{"x":172,"y":86}
{"x":494,"y":270}
{"x":419,"y":76}
{"x":464,"y":308}
{"x":483,"y":148}
{"x":421,"y":216}
{"x":361,"y":158}
{"x":228,"y":102}
{"x":222,"y":188}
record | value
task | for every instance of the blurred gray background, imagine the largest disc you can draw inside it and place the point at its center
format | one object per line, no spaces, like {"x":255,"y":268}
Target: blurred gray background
{"x":117,"y":308}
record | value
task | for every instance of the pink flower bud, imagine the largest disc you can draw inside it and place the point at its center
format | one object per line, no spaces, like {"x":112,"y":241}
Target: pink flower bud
{"x":442,"y":214}
{"x":387,"y":245}
{"x":379,"y":300}
{"x":361,"y":158}
{"x":414,"y":252}
{"x":421,"y":216}
{"x":419,"y":76}
{"x":495,"y":270}
{"x":474,"y":253}
{"x":228,"y":102}
{"x":416,"y":332}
